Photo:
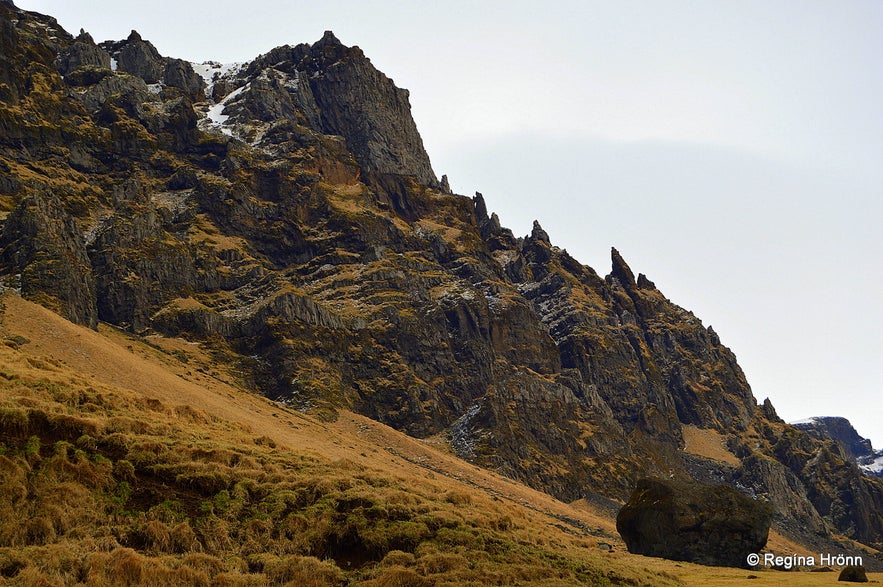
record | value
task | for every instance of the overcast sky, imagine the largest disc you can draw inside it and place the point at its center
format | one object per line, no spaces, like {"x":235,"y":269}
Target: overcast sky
{"x":731,"y":151}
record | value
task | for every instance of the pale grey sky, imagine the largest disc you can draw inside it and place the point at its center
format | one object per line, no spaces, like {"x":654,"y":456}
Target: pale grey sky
{"x":730,"y":150}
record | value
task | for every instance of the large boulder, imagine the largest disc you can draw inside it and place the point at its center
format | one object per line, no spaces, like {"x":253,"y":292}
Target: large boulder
{"x":853,"y":574}
{"x":688,"y":521}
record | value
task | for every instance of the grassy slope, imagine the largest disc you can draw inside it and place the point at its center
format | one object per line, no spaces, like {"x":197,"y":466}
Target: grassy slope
{"x":131,"y":461}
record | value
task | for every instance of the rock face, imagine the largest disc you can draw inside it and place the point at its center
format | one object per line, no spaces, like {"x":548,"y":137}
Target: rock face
{"x":334,"y":89}
{"x":43,"y":246}
{"x":852,"y":445}
{"x":705,"y":524}
{"x":286,"y":214}
{"x":840,"y":431}
{"x":364,"y":106}
{"x":82,"y":53}
{"x":141,"y":59}
{"x":179,"y":74}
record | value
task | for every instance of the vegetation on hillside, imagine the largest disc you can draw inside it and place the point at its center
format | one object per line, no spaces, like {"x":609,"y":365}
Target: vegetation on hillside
{"x":102,"y":486}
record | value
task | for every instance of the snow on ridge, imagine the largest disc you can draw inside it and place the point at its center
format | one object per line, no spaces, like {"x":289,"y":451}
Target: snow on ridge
{"x":206,"y":70}
{"x":812,"y":420}
{"x":875,"y":466}
{"x":215,"y":113}
{"x":212,"y":71}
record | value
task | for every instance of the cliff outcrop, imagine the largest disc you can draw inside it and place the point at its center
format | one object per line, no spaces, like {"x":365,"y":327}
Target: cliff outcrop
{"x":852,"y":446}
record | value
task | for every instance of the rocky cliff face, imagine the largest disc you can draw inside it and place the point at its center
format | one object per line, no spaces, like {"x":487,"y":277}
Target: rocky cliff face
{"x":285,"y":213}
{"x":852,"y":446}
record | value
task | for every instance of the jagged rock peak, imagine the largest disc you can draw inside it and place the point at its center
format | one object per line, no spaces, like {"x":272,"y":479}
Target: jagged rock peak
{"x":329,"y":50}
{"x":140,"y":58}
{"x":768,"y":410}
{"x":364,"y":106}
{"x":715,"y":339}
{"x":82,"y":53}
{"x":621,"y":270}
{"x":480,"y":208}
{"x":644,"y":283}
{"x":537,"y":233}
{"x":328,"y":38}
{"x":495,"y":223}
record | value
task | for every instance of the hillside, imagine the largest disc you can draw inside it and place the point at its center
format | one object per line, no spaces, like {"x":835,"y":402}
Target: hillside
{"x":276,"y":229}
{"x":143,"y":462}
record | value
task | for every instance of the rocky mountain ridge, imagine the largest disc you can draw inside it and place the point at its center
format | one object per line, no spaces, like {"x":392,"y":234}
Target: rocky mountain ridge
{"x":854,"y":446}
{"x":289,"y":218}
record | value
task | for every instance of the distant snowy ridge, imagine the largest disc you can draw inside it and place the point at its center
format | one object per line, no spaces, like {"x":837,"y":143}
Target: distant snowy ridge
{"x":841,"y":431}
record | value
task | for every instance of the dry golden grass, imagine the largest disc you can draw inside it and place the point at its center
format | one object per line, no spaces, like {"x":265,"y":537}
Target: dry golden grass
{"x":351,"y":199}
{"x":205,"y":233}
{"x":118,"y":470}
{"x":700,"y":576}
{"x":707,"y":443}
{"x":126,"y":463}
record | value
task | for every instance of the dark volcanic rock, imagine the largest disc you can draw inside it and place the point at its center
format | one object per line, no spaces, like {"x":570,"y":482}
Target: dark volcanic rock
{"x":853,"y":574}
{"x":43,"y":244}
{"x":28,"y":42}
{"x":853,"y":446}
{"x":137,"y":266}
{"x":96,"y":95}
{"x":364,"y":106}
{"x":179,"y":74}
{"x":334,"y":89}
{"x":773,"y":481}
{"x":82,"y":53}
{"x":141,"y":58}
{"x":266,"y":99}
{"x":688,"y":521}
{"x":841,"y":431}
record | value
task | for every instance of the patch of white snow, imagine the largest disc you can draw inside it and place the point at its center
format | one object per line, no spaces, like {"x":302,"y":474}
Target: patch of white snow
{"x":113,"y":64}
{"x":212,"y":71}
{"x":875,"y":466}
{"x":292,"y":81}
{"x":804,"y":421}
{"x":206,"y":70}
{"x":215,"y":113}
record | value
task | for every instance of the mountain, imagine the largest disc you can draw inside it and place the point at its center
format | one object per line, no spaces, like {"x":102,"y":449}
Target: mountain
{"x":283,"y":215}
{"x":854,"y":447}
